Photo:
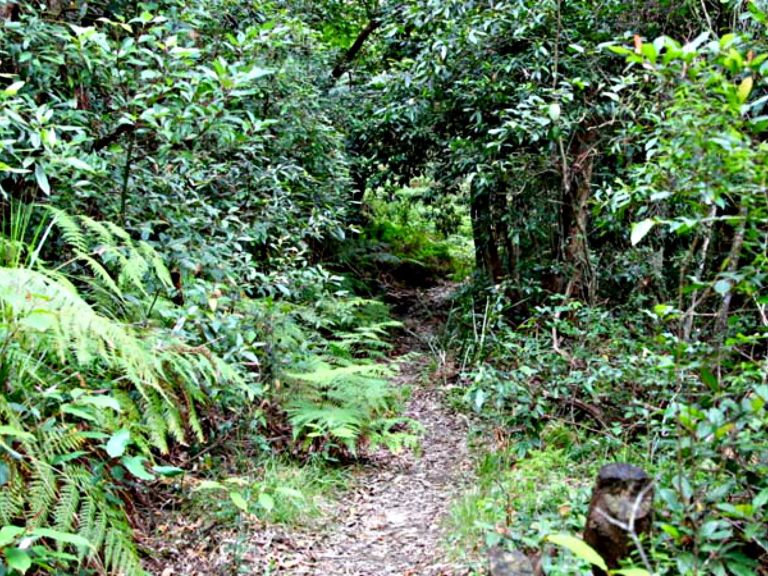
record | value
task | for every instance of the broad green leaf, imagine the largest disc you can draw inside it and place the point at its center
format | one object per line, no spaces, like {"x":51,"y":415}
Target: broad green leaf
{"x":18,"y":560}
{"x":14,"y":88}
{"x":649,"y":51}
{"x":63,"y":537}
{"x":101,"y":402}
{"x":118,"y":442}
{"x":742,"y":569}
{"x":168,"y":471}
{"x":7,"y":168}
{"x":80,"y":165}
{"x":578,"y":548}
{"x":210,"y":485}
{"x":745,"y":89}
{"x":761,"y":499}
{"x":9,"y":533}
{"x":256,"y":73}
{"x":15,"y":432}
{"x":135,"y":465}
{"x":239,"y":501}
{"x":42,"y":180}
{"x":61,"y":459}
{"x":82,"y":31}
{"x":631,"y":572}
{"x":622,"y":50}
{"x":267,"y":502}
{"x":640,"y":230}
{"x":85,"y":414}
{"x":709,"y":379}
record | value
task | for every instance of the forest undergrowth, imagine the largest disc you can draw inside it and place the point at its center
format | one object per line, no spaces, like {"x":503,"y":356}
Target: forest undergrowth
{"x":216,"y":218}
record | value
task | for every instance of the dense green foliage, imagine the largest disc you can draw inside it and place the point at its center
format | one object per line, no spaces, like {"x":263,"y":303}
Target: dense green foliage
{"x":199,"y":200}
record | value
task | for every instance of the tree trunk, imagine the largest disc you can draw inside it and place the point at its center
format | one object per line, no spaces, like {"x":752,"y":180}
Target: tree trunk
{"x":690,"y":314}
{"x":502,"y":234}
{"x":733,"y":265}
{"x":486,"y":249}
{"x":574,"y":218}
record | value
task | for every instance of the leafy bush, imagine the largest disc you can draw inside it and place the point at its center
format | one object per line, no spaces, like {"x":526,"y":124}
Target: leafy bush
{"x":579,"y":370}
{"x":518,"y":504}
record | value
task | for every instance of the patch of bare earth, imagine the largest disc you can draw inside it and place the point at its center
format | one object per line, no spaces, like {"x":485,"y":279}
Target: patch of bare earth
{"x":391,"y":522}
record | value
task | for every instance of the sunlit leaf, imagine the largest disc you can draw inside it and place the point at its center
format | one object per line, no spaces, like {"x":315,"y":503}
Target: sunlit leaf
{"x":42,"y":179}
{"x":63,"y":537}
{"x":18,"y":560}
{"x":118,"y":442}
{"x":135,"y":465}
{"x":8,"y":534}
{"x":239,"y":501}
{"x":640,"y":230}
{"x":745,"y":88}
{"x":578,"y":548}
{"x":14,"y":88}
{"x":267,"y":502}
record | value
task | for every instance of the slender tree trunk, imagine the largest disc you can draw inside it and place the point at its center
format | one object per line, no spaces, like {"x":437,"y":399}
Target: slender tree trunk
{"x":486,"y":249}
{"x":574,"y":217}
{"x":690,"y":314}
{"x":503,"y":236}
{"x":733,"y":265}
{"x":343,"y":64}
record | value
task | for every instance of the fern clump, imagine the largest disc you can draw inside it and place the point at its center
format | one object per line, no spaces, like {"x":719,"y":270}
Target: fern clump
{"x":336,"y":409}
{"x":89,"y":397}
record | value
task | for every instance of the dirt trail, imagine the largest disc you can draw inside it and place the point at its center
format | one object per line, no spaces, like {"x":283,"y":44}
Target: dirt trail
{"x":391,"y":522}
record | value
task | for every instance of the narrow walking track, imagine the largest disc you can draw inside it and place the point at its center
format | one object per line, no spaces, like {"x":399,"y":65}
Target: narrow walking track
{"x":391,"y":523}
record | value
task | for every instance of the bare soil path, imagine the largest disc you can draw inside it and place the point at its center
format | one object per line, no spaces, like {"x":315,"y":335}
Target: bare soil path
{"x":391,"y":521}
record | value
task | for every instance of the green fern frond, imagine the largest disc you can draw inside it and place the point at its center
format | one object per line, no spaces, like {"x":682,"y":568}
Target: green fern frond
{"x":65,"y":513}
{"x":118,"y":232}
{"x":325,"y":374}
{"x":70,"y":230}
{"x":41,"y":493}
{"x":63,"y":347}
{"x":101,"y":273}
{"x":156,"y":261}
{"x":120,"y":554}
{"x":11,"y":499}
{"x":133,"y":271}
{"x":100,"y":231}
{"x":93,"y":521}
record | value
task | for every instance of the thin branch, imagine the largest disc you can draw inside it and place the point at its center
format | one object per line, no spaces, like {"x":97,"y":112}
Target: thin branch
{"x":105,"y":141}
{"x":354,"y":50}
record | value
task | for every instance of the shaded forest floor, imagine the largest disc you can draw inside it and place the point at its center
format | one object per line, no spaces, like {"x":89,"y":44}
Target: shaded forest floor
{"x":390,"y":521}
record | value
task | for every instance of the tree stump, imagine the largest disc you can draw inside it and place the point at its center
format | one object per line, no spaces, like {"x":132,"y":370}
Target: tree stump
{"x":622,"y":506}
{"x":505,"y":563}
